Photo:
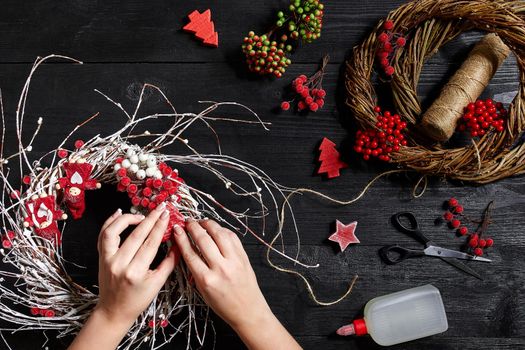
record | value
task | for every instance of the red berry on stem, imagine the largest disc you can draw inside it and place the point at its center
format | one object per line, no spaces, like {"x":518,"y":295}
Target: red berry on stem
{"x":35,"y":311}
{"x":79,"y":143}
{"x":164,"y":323}
{"x":455,"y":223}
{"x":314,"y":107}
{"x":482,"y":243}
{"x":389,"y":70}
{"x":122,"y":172}
{"x":26,"y":179}
{"x":62,"y":153}
{"x":6,"y":244}
{"x":452,"y":202}
{"x":478,"y":251}
{"x":473,"y":243}
{"x":125,"y":181}
{"x":463,"y":230}
{"x":401,"y":41}
{"x":448,"y":216}
{"x":388,"y":25}
{"x":458,"y":209}
{"x":489,"y":242}
{"x":285,"y":105}
{"x":383,"y":37}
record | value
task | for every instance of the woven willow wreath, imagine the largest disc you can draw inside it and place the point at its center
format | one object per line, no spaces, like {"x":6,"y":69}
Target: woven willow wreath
{"x":429,"y":24}
{"x":44,"y":296}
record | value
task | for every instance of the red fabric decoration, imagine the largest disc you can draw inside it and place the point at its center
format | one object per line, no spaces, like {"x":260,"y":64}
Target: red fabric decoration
{"x":42,"y":215}
{"x":77,"y":180}
{"x":203,"y":27}
{"x":344,"y":234}
{"x":330,"y":159}
{"x":176,"y":218}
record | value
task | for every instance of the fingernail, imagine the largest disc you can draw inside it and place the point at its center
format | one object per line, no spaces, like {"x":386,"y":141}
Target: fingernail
{"x":165,"y":214}
{"x":141,"y":217}
{"x":178,"y":230}
{"x":161,"y":206}
{"x":118,"y":212}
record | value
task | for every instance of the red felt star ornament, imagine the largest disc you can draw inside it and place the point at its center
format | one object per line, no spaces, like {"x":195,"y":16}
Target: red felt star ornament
{"x":344,"y":234}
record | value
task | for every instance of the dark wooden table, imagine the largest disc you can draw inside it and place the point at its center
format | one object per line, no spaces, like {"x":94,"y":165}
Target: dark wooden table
{"x":126,"y":43}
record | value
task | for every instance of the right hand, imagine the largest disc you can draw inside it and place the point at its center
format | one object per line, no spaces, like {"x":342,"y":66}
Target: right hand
{"x":222,"y":273}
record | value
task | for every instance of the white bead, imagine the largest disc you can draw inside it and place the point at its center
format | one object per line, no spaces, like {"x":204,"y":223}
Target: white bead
{"x":117,"y":167}
{"x":126,"y":163}
{"x":186,"y":141}
{"x":152,"y":162}
{"x":150,"y":172}
{"x":158,"y":174}
{"x":134,"y":168}
{"x":130,"y":152}
{"x":143,"y":158}
{"x":39,"y":121}
{"x":29,"y":148}
{"x":133,"y":210}
{"x":141,"y":174}
{"x":228,"y":184}
{"x":134,"y":159}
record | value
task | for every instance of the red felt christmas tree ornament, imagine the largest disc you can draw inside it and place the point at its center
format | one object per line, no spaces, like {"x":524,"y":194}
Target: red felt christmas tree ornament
{"x":330,"y":159}
{"x":202,"y":27}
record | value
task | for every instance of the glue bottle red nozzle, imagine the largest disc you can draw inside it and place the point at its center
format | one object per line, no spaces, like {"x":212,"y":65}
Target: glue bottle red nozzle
{"x":357,"y":327}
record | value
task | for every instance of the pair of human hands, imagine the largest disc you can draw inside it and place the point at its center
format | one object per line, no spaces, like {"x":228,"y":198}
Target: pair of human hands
{"x":222,"y":271}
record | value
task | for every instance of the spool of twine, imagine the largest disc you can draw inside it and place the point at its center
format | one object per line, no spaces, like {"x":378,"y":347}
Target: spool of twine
{"x":465,"y":86}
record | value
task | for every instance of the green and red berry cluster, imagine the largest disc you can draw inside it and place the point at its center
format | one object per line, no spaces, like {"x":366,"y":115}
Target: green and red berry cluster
{"x":483,"y":115}
{"x":266,"y":54}
{"x":475,"y":243}
{"x":308,"y":91}
{"x":388,"y":137}
{"x":389,"y":42}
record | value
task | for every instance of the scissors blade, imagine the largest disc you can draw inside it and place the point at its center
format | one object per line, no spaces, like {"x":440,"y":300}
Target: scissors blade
{"x":460,"y":266}
{"x":449,"y":253}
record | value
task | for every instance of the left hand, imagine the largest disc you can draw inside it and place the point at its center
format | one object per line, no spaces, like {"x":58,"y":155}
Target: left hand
{"x":127,"y":284}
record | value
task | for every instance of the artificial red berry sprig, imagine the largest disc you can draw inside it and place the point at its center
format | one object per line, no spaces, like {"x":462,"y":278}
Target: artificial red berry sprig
{"x":266,"y":54}
{"x":389,"y":43}
{"x":483,"y":115}
{"x":308,"y":91}
{"x":381,"y":142}
{"x":7,"y":239}
{"x":474,"y":241}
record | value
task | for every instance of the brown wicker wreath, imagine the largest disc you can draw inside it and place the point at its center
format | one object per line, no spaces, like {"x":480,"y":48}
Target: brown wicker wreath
{"x":429,"y":24}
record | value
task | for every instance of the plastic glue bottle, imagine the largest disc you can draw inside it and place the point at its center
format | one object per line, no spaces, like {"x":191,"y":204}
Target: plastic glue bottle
{"x":400,"y":317}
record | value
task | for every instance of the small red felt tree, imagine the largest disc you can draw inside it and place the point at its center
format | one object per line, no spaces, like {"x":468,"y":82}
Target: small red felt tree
{"x":330,"y":159}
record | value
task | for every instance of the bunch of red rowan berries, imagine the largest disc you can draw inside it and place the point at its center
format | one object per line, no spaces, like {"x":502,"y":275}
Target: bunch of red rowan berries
{"x":389,"y":42}
{"x":475,"y":242}
{"x":483,"y":115}
{"x":308,"y":91}
{"x":381,"y":142}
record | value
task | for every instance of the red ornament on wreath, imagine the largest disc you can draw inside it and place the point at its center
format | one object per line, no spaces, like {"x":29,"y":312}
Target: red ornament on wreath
{"x":42,"y":215}
{"x":75,"y":183}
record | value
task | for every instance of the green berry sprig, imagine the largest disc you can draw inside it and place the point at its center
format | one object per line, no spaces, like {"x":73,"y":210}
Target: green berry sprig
{"x":266,"y":54}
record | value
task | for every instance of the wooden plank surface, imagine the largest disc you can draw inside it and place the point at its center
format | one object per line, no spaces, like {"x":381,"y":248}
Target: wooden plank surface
{"x":126,"y":44}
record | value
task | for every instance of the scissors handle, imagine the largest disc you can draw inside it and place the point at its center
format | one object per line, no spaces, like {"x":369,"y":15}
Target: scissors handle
{"x":393,"y":254}
{"x":413,"y":229}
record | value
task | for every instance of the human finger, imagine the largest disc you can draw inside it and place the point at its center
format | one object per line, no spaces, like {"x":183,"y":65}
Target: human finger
{"x":204,"y":242}
{"x":106,"y":223}
{"x":146,"y":253}
{"x":222,"y":236}
{"x":132,"y":244}
{"x":195,"y":263}
{"x":110,"y":236}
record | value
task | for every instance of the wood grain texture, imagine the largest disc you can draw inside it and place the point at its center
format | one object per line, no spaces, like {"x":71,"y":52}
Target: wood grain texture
{"x":126,"y":44}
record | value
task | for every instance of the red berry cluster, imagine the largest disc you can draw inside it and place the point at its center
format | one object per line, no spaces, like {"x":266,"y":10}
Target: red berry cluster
{"x":162,"y":323}
{"x":310,"y":94}
{"x":7,"y":239}
{"x":482,"y":115}
{"x":389,"y":42}
{"x":381,"y":142}
{"x":308,"y":90}
{"x":264,"y":56}
{"x":452,"y":216}
{"x":147,"y":194}
{"x":35,"y":311}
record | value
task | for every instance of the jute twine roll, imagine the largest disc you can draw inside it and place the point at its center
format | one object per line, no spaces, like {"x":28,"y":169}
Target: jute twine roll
{"x":428,"y":25}
{"x":440,"y":120}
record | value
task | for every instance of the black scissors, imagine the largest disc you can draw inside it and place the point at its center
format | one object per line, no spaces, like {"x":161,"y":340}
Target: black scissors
{"x":393,"y":254}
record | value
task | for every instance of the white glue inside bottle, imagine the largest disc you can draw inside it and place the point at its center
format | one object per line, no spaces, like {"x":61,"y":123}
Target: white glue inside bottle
{"x":400,"y":317}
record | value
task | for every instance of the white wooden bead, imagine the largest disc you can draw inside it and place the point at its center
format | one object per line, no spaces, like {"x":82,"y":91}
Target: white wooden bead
{"x":141,"y":174}
{"x":130,"y":152}
{"x":152,"y":162}
{"x":117,"y":167}
{"x":158,"y":174}
{"x":134,"y":159}
{"x":126,"y":163}
{"x":143,"y":158}
{"x":150,"y":172}
{"x":134,"y":168}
